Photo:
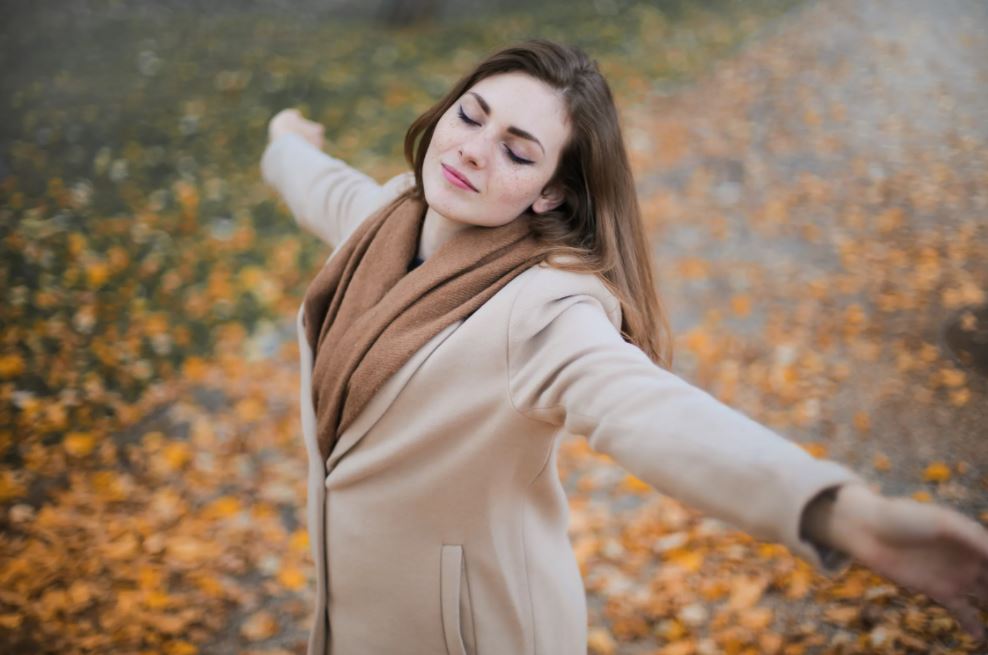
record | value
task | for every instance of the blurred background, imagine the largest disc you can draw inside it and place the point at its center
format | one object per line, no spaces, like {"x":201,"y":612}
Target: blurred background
{"x":813,"y":177}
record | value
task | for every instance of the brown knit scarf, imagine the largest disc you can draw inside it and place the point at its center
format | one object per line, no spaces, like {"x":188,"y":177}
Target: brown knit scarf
{"x":366,"y":314}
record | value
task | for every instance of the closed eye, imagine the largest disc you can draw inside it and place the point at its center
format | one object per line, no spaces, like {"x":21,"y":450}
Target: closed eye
{"x":515,"y":158}
{"x":465,"y":119}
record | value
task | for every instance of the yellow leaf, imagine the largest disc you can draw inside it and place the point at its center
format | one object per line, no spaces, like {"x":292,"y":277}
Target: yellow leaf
{"x":936,"y":472}
{"x":11,"y":621}
{"x":249,"y":409}
{"x":188,"y":197}
{"x":148,"y":577}
{"x":862,"y":421}
{"x":156,"y":600}
{"x":890,"y":219}
{"x":842,"y":616}
{"x":194,"y":368}
{"x":11,"y":366}
{"x":756,"y":618}
{"x":176,"y":454}
{"x":952,"y":377}
{"x":881,"y":462}
{"x":746,"y":592}
{"x":714,"y":589}
{"x":180,"y":648}
{"x":600,"y":642}
{"x":223,"y":507}
{"x":769,"y":643}
{"x":291,"y":578}
{"x":261,"y":625}
{"x":80,"y":593}
{"x":156,"y":323}
{"x":741,"y":304}
{"x":691,"y":560}
{"x":79,"y":444}
{"x":123,"y":548}
{"x":56,"y":416}
{"x":922,"y":496}
{"x":299,"y":541}
{"x":209,"y":586}
{"x":635,"y":485}
{"x":686,"y":647}
{"x":771,"y":551}
{"x":960,"y":397}
{"x":251,"y":277}
{"x":693,"y":268}
{"x":97,"y":274}
{"x":798,"y":584}
{"x":849,"y":588}
{"x":77,"y":243}
{"x":671,"y":630}
{"x":118,"y":258}
{"x":107,"y":485}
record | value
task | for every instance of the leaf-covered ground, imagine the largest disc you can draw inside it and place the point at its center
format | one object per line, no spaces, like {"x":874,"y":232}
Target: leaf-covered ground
{"x":817,"y":206}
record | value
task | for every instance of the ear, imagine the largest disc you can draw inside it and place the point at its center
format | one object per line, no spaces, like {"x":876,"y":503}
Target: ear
{"x":550,"y":198}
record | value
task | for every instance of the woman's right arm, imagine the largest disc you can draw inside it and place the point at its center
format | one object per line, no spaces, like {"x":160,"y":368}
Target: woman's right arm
{"x":326,"y":196}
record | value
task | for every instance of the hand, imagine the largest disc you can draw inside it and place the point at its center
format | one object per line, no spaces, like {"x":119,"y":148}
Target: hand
{"x":928,"y":548}
{"x":290,"y":120}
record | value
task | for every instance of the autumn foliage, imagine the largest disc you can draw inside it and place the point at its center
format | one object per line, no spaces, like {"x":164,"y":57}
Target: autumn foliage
{"x":813,"y":222}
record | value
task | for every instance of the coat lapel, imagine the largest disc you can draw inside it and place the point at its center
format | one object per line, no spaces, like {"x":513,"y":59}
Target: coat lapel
{"x":378,"y":404}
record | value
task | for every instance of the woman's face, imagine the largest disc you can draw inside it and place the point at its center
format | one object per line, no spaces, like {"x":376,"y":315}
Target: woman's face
{"x":504,"y":136}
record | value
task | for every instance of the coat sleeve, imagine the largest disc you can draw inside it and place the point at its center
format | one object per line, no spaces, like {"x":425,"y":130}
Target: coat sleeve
{"x":326,"y":196}
{"x":569,"y":366}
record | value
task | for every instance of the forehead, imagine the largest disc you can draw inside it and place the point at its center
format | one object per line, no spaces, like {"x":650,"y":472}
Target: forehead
{"x":520,"y":100}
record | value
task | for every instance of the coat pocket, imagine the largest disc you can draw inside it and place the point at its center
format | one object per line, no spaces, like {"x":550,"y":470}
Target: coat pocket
{"x":454,"y":596}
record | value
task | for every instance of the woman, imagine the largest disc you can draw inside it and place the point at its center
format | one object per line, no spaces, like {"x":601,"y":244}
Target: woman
{"x":473,"y":311}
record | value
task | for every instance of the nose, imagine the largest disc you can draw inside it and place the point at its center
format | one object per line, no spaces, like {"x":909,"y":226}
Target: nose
{"x":473,"y":149}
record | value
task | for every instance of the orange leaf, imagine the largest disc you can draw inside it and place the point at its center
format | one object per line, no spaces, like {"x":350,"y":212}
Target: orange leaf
{"x":881,"y":462}
{"x":936,"y":472}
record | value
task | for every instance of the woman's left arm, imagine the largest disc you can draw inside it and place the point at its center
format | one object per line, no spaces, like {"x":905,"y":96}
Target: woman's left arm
{"x":569,"y":366}
{"x":925,"y":547}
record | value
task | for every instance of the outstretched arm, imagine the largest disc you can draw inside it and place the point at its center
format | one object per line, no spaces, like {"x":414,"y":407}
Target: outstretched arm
{"x":924,"y":547}
{"x":569,"y":366}
{"x":326,"y":196}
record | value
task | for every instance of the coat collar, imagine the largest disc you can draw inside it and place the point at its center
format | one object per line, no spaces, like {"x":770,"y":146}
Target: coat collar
{"x":374,"y":409}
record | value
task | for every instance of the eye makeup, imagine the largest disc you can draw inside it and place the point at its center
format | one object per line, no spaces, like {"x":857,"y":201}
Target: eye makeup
{"x":511,"y":155}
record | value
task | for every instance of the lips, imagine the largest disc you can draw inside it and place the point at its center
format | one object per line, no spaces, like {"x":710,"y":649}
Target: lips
{"x":455,"y":176}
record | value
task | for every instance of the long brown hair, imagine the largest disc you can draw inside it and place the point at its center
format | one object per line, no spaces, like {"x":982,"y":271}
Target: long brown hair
{"x":599,"y":222}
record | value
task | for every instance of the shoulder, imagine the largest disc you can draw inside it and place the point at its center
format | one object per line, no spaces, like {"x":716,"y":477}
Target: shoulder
{"x":546,"y":291}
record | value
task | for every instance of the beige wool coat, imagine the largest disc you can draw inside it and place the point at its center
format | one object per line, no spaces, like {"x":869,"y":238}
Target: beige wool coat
{"x":439,"y":524}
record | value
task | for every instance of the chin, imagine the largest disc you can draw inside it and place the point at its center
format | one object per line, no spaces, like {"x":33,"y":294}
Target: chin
{"x":444,"y":201}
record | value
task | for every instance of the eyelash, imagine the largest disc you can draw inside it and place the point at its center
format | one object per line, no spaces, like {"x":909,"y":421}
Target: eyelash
{"x":515,"y":158}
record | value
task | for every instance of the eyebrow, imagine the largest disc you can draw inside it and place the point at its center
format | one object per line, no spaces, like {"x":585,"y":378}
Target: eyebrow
{"x":517,"y":131}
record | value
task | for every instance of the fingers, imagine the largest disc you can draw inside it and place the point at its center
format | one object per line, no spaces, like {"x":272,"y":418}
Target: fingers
{"x":291,"y":120}
{"x":967,"y":615}
{"x":313,"y":132}
{"x":969,"y":531}
{"x":981,"y":586}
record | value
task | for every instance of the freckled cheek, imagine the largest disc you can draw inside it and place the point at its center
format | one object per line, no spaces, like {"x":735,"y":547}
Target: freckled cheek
{"x":517,"y":190}
{"x":442,"y":142}
{"x":444,"y":137}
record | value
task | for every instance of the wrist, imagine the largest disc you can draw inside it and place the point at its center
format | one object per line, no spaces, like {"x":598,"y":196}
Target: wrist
{"x":837,"y":518}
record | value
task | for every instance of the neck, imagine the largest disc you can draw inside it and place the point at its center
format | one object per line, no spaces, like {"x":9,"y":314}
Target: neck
{"x":436,"y":230}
